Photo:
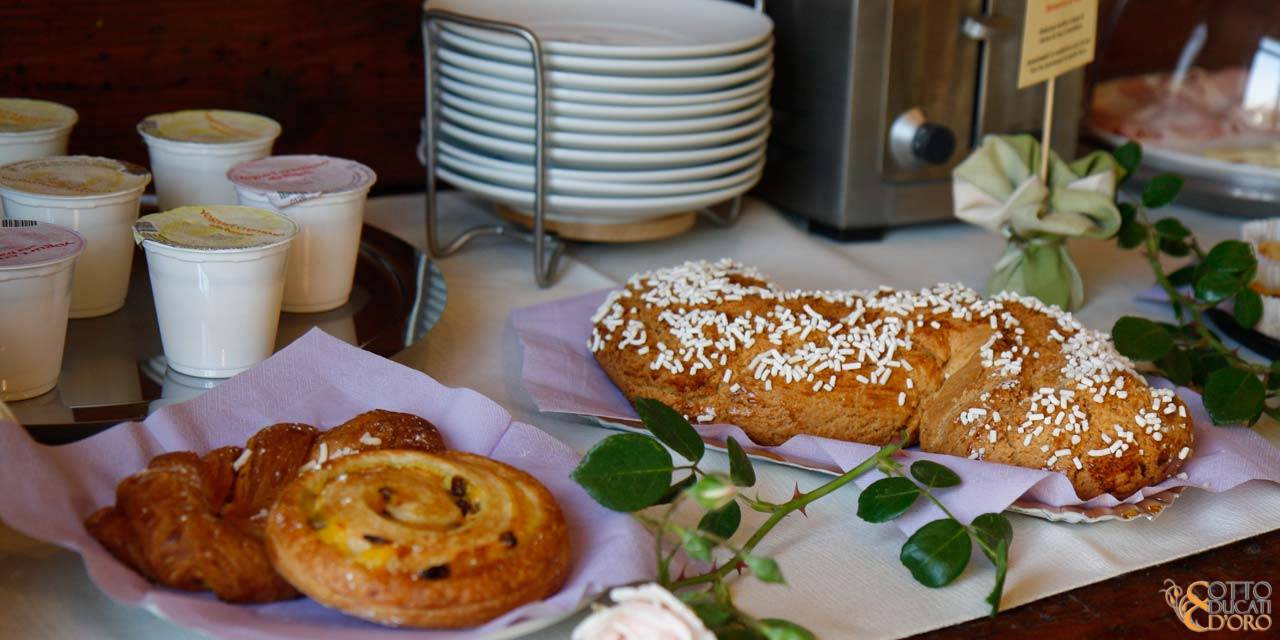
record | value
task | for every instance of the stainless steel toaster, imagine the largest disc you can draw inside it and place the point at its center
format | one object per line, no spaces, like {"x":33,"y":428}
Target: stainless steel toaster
{"x":875,"y":101}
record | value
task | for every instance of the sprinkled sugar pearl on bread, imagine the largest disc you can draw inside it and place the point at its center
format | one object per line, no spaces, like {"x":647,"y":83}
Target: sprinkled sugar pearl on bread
{"x":1004,"y":379}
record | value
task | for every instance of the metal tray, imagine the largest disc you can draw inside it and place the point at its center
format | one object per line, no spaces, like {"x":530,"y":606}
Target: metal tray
{"x":113,"y":367}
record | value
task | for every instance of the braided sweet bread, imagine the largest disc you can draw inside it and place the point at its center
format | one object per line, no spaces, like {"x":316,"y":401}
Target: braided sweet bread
{"x":197,"y":523}
{"x":1004,"y":379}
{"x":420,"y":539}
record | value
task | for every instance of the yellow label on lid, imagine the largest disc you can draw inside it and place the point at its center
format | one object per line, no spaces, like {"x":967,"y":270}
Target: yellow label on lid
{"x":23,"y":115}
{"x":209,"y":126}
{"x":215,"y":228}
{"x":73,"y":176}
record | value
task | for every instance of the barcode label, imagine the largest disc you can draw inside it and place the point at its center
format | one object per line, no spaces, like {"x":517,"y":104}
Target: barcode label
{"x":9,"y":224}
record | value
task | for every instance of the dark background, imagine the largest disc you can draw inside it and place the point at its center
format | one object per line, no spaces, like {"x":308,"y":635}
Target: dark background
{"x":345,"y":77}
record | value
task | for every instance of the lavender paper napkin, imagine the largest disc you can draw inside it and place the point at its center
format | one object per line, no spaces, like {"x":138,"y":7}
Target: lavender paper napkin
{"x":561,"y":375}
{"x":321,"y":381}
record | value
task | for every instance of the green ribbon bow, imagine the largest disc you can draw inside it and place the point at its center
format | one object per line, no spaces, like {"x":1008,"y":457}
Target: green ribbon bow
{"x":997,"y":188}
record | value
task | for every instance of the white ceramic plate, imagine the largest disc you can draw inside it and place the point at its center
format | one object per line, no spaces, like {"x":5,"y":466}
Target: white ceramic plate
{"x":645,"y":142}
{"x":606,"y":82}
{"x":1193,"y":164}
{"x":621,"y":28}
{"x":521,"y":177}
{"x":598,"y":159}
{"x":646,"y":176}
{"x":595,"y":209}
{"x":523,"y":118}
{"x":520,"y":55}
{"x":617,"y":113}
{"x":755,"y":87}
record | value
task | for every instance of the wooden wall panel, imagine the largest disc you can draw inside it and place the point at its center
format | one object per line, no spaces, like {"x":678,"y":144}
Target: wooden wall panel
{"x":343,"y":77}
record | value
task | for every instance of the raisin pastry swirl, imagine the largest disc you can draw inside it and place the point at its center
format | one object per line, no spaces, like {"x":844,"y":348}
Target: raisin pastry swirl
{"x":196,"y":523}
{"x":407,"y":538}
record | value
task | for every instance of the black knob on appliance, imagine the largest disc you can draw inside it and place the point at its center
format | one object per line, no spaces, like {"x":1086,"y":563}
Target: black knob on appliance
{"x":933,"y":143}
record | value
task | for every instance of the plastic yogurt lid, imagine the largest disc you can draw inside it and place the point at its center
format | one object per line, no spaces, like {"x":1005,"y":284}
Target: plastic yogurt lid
{"x":215,"y":228}
{"x":288,"y":180}
{"x":28,"y":243}
{"x":24,"y":115}
{"x":211,"y":126}
{"x":73,"y":176}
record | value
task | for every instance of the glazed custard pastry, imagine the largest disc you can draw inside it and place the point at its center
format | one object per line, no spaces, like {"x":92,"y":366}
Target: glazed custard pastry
{"x":1004,"y":379}
{"x":196,"y":523}
{"x":407,"y":538}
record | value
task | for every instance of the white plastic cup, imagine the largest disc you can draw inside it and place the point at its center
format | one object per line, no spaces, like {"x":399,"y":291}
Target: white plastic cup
{"x":99,"y":198}
{"x":326,"y":197}
{"x":36,"y":262}
{"x":217,"y":304}
{"x":33,"y":129}
{"x":190,"y":157}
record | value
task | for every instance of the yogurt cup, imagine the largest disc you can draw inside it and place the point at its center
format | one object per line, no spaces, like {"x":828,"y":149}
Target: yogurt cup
{"x":217,"y":276}
{"x":191,"y":152}
{"x":36,"y":261}
{"x":99,"y":198}
{"x":326,"y":197}
{"x":33,"y":129}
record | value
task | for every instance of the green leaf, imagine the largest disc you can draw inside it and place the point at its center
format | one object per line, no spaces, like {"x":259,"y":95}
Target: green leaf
{"x":1172,"y":228}
{"x":1141,"y":339}
{"x":1231,"y":256}
{"x":1183,"y":277}
{"x":1131,"y":234}
{"x":1273,"y":378}
{"x":625,"y":472}
{"x":722,"y":522}
{"x":670,"y":428}
{"x":1175,"y":248}
{"x":740,"y":469}
{"x":1176,"y":366}
{"x":1248,"y":307}
{"x":1233,"y":396}
{"x":934,"y":475}
{"x":1128,"y":212}
{"x":696,"y":546}
{"x":887,"y":499}
{"x":1217,"y":286}
{"x":1161,"y":190}
{"x":713,"y":491}
{"x":778,"y":629}
{"x":1128,"y":156}
{"x":713,"y":614}
{"x":1204,"y":362}
{"x":765,"y":569}
{"x":992,"y":529}
{"x":676,"y":489}
{"x":937,"y":553}
{"x":1001,"y":563}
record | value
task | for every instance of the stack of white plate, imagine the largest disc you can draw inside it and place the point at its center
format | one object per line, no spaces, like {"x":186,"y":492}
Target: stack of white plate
{"x":653,"y":107}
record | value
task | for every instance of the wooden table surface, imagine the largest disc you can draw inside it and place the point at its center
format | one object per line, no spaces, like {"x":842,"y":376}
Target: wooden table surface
{"x":1130,"y":606}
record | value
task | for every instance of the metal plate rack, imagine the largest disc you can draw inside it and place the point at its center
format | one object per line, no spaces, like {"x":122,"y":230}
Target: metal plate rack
{"x":547,"y":248}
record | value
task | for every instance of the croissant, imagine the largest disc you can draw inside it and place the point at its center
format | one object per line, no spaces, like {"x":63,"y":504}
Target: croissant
{"x":1005,"y":379}
{"x":419,"y":539}
{"x":197,"y":523}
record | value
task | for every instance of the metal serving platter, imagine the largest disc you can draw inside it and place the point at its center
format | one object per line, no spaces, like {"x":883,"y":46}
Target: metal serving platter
{"x":1230,"y":188}
{"x":113,"y":367}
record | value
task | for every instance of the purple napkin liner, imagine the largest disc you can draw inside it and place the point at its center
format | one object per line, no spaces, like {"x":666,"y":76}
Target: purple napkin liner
{"x":321,"y":381}
{"x":561,"y":375}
